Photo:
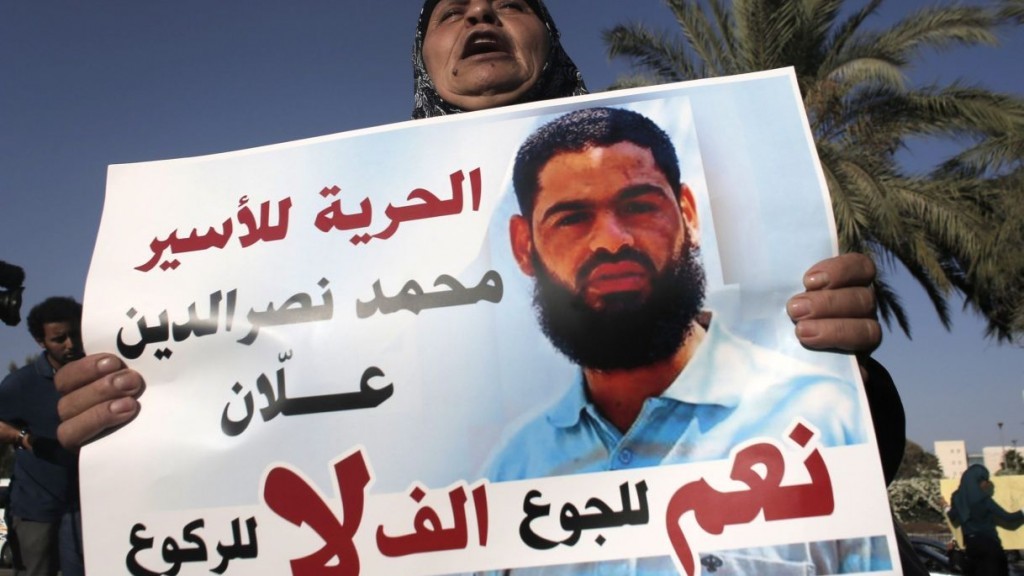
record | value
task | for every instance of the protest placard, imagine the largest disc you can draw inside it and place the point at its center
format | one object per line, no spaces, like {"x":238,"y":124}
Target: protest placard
{"x":347,"y":374}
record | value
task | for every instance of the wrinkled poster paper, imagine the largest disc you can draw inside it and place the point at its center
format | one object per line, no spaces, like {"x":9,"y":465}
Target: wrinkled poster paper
{"x":336,"y":340}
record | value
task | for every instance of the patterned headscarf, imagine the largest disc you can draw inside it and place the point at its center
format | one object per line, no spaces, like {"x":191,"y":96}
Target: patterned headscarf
{"x":559,"y":78}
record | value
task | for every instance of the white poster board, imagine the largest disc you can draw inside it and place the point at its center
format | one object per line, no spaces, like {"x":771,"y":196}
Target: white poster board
{"x":337,"y":342}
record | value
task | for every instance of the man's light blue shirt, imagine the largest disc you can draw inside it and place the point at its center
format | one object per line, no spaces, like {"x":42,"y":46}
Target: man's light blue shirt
{"x":730,"y":392}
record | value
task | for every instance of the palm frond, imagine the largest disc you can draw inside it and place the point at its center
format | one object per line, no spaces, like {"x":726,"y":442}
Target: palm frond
{"x":655,"y":53}
{"x":958,"y":226}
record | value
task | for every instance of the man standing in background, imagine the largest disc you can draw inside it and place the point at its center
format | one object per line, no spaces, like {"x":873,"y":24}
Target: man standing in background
{"x":46,"y":517}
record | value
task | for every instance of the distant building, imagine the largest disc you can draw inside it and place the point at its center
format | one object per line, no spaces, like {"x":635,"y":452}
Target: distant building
{"x":994,"y":456}
{"x":954,"y":458}
{"x":952,"y":455}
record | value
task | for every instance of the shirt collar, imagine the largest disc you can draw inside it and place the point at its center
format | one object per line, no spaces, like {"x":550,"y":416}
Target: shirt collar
{"x":718,"y":373}
{"x":566,"y":412}
{"x":719,"y":353}
{"x":43,"y":367}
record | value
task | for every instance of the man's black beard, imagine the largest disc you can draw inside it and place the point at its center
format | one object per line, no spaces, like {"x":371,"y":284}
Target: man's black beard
{"x":630,"y":331}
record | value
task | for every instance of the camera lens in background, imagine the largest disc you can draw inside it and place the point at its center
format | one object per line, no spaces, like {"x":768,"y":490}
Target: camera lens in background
{"x":12,"y":279}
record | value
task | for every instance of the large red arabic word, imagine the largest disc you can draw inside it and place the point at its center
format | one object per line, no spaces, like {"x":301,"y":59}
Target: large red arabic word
{"x":714,"y":510}
{"x":293,"y":499}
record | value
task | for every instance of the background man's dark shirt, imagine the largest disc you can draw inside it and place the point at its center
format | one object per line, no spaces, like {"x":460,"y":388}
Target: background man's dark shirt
{"x":45,"y":482}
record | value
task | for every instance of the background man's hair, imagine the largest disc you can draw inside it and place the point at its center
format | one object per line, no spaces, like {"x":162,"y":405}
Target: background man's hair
{"x":53,"y":309}
{"x":589,"y":128}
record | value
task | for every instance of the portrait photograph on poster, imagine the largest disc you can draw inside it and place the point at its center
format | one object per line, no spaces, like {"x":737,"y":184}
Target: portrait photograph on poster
{"x":549,"y":338}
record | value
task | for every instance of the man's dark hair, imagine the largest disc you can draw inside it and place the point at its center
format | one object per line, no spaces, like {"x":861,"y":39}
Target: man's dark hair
{"x":589,"y":128}
{"x":53,"y":309}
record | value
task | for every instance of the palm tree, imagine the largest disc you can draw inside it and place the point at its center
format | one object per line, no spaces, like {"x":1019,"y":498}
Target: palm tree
{"x":1012,"y":464}
{"x":947,"y":227}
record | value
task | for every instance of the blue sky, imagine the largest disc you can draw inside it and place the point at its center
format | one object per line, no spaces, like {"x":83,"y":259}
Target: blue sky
{"x":88,"y":84}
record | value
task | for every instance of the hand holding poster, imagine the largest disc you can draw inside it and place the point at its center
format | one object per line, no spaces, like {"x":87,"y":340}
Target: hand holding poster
{"x":549,"y":338}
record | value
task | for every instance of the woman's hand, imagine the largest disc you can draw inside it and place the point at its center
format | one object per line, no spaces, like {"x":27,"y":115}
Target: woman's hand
{"x":98,"y":393}
{"x":838,"y":309}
